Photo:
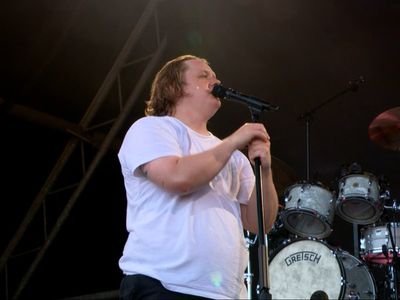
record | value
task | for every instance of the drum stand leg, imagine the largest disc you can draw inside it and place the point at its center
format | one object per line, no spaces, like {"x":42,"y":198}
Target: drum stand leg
{"x":356,"y":241}
{"x":391,"y":283}
{"x":249,"y":275}
{"x":395,"y":263}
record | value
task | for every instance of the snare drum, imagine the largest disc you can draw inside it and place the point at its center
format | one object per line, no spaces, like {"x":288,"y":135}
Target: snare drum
{"x":309,"y":210}
{"x":359,"y":199}
{"x":310,"y":268}
{"x":375,"y":240}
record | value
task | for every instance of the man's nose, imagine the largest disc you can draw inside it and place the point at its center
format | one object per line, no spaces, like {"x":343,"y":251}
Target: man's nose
{"x":217,"y":81}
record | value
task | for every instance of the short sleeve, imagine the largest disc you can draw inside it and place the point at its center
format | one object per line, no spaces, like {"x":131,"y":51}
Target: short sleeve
{"x":147,"y":139}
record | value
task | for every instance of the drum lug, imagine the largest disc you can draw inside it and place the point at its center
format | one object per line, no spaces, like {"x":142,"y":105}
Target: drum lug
{"x":354,"y":296}
{"x":385,"y":195}
{"x":342,"y":280}
{"x":352,"y":286}
{"x":368,"y":193}
{"x":342,"y":196}
{"x":341,"y":183}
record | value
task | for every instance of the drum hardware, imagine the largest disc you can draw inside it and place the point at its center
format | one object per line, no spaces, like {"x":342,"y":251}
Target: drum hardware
{"x":379,"y":245}
{"x":390,"y":284}
{"x":302,"y":213}
{"x":305,"y":217}
{"x":393,"y":207}
{"x":390,"y":276}
{"x":395,"y":263}
{"x":308,"y":116}
{"x":248,"y":276}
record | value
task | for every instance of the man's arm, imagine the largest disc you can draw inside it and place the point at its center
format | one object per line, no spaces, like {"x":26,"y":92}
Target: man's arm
{"x":270,"y":205}
{"x":261,"y":149}
{"x":187,"y":173}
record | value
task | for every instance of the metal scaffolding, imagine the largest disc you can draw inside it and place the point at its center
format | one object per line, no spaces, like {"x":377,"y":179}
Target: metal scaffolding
{"x":82,"y":134}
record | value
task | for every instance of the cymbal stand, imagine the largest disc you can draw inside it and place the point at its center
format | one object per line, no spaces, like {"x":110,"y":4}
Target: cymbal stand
{"x":395,"y":260}
{"x":308,"y":116}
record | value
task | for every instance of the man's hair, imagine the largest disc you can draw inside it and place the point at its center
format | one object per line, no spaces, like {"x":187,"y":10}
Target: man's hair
{"x":167,"y":87}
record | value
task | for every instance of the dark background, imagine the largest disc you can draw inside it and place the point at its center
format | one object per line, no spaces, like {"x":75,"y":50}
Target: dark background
{"x":55,"y":55}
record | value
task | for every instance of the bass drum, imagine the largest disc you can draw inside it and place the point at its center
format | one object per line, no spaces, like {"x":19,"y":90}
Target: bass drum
{"x":310,"y":269}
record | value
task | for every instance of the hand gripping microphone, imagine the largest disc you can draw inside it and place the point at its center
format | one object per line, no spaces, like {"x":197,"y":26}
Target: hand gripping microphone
{"x":226,"y":93}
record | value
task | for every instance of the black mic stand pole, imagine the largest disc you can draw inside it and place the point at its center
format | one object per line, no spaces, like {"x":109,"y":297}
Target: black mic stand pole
{"x":263,"y":275}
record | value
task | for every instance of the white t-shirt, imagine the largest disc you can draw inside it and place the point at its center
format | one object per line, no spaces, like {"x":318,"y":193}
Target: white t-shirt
{"x":192,"y":243}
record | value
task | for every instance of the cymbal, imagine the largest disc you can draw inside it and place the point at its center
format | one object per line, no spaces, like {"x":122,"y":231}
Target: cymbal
{"x":384,"y":130}
{"x":284,"y":175}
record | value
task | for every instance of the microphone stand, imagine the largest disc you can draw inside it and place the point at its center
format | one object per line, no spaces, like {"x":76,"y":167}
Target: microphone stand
{"x":256,"y":106}
{"x":263,"y":275}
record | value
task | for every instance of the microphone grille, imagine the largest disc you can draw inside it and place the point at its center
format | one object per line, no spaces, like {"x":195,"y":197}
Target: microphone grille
{"x":219,"y":91}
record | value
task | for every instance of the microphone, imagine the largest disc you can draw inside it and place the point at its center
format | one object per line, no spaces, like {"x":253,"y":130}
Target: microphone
{"x":227,"y":93}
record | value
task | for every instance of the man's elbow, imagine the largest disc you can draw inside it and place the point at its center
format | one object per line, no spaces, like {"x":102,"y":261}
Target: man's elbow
{"x":176,"y":186}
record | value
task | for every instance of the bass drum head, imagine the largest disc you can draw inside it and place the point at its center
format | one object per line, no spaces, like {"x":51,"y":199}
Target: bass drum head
{"x":305,"y":268}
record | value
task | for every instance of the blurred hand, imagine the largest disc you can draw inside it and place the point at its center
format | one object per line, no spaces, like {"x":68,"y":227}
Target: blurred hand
{"x":256,"y":138}
{"x":242,"y":137}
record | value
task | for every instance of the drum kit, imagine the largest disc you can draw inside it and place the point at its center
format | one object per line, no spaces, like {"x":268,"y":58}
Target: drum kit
{"x":303,"y":265}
